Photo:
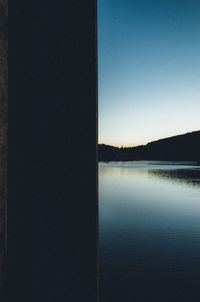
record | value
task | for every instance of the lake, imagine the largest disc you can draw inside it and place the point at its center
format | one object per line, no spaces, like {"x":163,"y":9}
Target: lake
{"x":149,"y":231}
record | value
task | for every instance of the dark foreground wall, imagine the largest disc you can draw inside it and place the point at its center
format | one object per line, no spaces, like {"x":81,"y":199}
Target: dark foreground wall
{"x":3,"y":142}
{"x":52,"y":207}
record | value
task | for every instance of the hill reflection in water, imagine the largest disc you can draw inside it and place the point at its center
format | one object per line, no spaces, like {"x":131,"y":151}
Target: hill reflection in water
{"x":188,"y":176}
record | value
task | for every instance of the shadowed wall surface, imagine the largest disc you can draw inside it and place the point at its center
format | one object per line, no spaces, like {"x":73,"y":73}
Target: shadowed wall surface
{"x":3,"y":142}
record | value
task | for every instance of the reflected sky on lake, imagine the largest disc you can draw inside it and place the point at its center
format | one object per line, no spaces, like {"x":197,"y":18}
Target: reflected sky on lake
{"x":149,"y":231}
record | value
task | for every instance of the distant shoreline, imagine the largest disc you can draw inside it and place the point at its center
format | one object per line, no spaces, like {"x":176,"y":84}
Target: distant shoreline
{"x":164,"y":162}
{"x":185,"y":147}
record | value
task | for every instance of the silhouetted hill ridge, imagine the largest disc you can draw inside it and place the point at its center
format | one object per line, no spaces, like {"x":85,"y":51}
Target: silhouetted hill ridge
{"x":180,"y":147}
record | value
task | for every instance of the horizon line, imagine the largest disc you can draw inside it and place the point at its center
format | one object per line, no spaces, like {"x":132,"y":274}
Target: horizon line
{"x":133,"y":146}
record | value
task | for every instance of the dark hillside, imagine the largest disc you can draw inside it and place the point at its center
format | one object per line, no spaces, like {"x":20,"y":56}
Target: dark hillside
{"x":180,"y":147}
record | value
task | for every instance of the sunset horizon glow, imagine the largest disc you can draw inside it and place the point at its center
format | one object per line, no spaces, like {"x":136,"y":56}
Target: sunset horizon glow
{"x":148,"y":70}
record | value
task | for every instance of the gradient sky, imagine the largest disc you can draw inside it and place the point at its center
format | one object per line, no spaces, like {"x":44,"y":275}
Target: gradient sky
{"x":148,"y":69}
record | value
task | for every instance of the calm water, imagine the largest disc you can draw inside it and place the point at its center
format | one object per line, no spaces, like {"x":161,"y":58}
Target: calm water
{"x":149,"y":232}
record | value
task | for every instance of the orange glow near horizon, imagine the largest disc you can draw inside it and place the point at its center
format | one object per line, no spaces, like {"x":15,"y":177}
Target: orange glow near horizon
{"x":124,"y":143}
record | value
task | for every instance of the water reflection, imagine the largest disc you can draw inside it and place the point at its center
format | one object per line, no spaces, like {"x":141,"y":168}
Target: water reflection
{"x":149,"y":240}
{"x":189,"y":176}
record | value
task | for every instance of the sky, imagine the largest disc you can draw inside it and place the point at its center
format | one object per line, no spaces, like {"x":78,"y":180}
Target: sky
{"x":148,"y":70}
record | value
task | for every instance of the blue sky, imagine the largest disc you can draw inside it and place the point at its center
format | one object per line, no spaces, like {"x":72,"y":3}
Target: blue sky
{"x":148,"y":70}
